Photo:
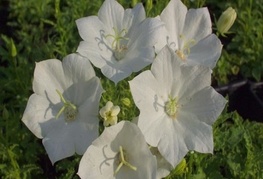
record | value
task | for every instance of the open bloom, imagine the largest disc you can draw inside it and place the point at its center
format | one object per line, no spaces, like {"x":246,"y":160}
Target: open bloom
{"x":119,"y":152}
{"x":177,"y":106}
{"x":64,"y":107}
{"x":118,"y":41}
{"x":109,"y":113}
{"x":188,"y":33}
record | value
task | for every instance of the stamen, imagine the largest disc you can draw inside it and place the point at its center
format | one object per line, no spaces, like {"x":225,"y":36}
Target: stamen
{"x":171,"y":107}
{"x":69,"y":109}
{"x":183,"y":52}
{"x":118,"y":48}
{"x":123,"y":162}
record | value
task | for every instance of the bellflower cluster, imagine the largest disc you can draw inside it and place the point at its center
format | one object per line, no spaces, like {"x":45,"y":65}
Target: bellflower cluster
{"x":175,"y":99}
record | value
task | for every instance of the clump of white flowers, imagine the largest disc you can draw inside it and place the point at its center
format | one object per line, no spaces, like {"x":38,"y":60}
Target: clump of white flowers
{"x":177,"y":104}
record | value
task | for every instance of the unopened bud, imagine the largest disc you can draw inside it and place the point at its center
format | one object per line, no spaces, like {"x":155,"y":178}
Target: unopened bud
{"x":13,"y":51}
{"x":134,"y":2}
{"x":181,"y":167}
{"x":126,"y":102}
{"x":226,"y":20}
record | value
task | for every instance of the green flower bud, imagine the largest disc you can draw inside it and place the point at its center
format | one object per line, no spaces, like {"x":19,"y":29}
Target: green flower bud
{"x":134,"y":2}
{"x":126,"y":102}
{"x":5,"y":113}
{"x":226,"y":20}
{"x":13,"y":51}
{"x":181,"y":167}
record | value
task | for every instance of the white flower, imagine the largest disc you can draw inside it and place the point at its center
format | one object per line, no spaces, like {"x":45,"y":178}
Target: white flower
{"x":119,"y":152}
{"x":109,"y":113}
{"x":64,"y":107}
{"x":177,"y":106}
{"x":188,"y":33}
{"x":118,"y":41}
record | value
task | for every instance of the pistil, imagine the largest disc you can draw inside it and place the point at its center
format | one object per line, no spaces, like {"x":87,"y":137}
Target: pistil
{"x":123,"y":162}
{"x":70,"y":110}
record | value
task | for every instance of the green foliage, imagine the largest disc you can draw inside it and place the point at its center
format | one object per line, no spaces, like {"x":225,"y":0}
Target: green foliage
{"x":237,"y":151}
{"x":46,"y":29}
{"x":242,"y":53}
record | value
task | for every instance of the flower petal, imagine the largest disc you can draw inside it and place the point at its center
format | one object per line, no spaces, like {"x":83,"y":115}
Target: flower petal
{"x":111,"y":14}
{"x":96,"y":161}
{"x":97,"y":53}
{"x":87,"y":132}
{"x":212,"y":105}
{"x":49,"y":77}
{"x":59,"y":141}
{"x":145,"y":87}
{"x":134,"y":16}
{"x":90,"y":28}
{"x":206,"y":52}
{"x":116,"y":72}
{"x":109,"y":105}
{"x":192,"y":80}
{"x":173,"y":16}
{"x":197,"y":135}
{"x":77,"y":68}
{"x":93,"y":91}
{"x":115,"y":110}
{"x":163,"y":167}
{"x":145,"y":93}
{"x":94,"y":46}
{"x":197,"y":24}
{"x":136,"y":59}
{"x":166,"y":70}
{"x":38,"y":110}
{"x":146,"y":34}
{"x":171,"y":145}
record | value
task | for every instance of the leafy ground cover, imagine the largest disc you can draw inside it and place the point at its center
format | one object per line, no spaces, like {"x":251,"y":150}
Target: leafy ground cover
{"x":32,"y":31}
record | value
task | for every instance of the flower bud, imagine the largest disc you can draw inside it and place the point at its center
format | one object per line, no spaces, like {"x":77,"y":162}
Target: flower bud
{"x":226,"y":20}
{"x":126,"y":102}
{"x":13,"y":51}
{"x":181,"y":167}
{"x":134,"y":2}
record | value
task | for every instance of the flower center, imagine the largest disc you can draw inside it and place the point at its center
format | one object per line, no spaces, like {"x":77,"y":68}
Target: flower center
{"x":70,"y":110}
{"x":118,"y":44}
{"x":122,"y":161}
{"x":185,"y":50}
{"x":171,"y":107}
{"x":119,"y":53}
{"x":109,"y":115}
